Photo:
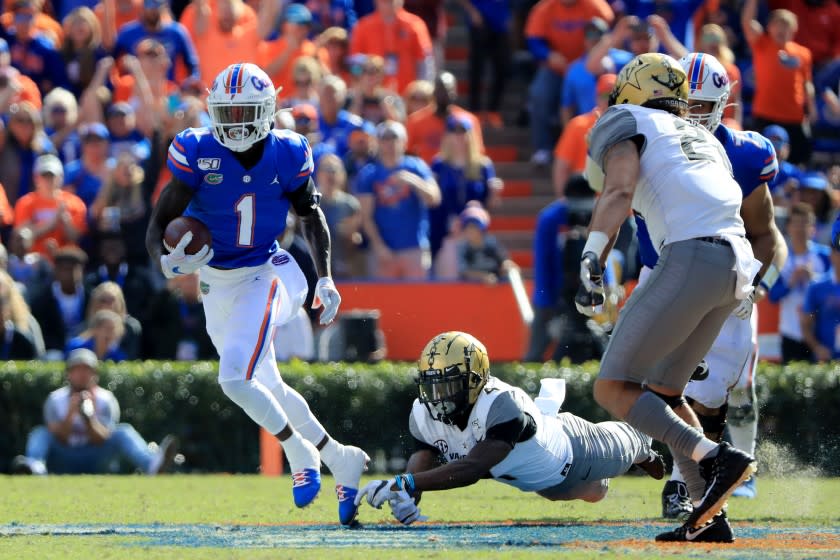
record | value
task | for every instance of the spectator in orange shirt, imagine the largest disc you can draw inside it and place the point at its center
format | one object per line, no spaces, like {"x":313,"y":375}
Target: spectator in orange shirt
{"x":224,"y":32}
{"x":400,"y":38}
{"x":570,"y":151}
{"x":427,"y":125}
{"x":784,"y":89}
{"x":57,"y":218}
{"x":278,"y":57}
{"x":41,"y":22}
{"x":14,"y":86}
{"x":555,"y":36}
{"x":819,"y":27}
{"x":113,"y":14}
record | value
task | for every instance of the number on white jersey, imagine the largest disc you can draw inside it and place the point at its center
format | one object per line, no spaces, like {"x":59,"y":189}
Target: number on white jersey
{"x":245,"y":220}
{"x":697,"y":145}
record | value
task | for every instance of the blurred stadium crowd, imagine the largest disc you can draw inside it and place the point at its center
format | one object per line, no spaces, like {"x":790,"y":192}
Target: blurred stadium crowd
{"x":91,"y":94}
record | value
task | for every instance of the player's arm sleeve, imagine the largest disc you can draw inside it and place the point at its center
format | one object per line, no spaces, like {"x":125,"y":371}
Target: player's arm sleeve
{"x":616,"y":125}
{"x":180,"y":158}
{"x":506,"y":419}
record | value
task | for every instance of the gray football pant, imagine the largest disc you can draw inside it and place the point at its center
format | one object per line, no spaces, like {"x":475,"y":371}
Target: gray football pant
{"x":599,"y":452}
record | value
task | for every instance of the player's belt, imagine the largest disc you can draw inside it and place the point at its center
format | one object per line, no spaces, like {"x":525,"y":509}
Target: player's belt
{"x":715,"y":240}
{"x":220,"y":267}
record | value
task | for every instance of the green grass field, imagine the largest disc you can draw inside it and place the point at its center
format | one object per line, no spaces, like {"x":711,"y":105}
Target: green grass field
{"x":185,"y":516}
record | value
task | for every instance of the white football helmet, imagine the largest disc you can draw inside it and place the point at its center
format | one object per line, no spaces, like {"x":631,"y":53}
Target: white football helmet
{"x":707,"y":81}
{"x":241,"y":106}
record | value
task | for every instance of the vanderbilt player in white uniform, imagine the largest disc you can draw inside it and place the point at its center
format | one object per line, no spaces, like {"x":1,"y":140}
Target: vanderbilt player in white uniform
{"x":645,"y":156}
{"x":470,"y":425}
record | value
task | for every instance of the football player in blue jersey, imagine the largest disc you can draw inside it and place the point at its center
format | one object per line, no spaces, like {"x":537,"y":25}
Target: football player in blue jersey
{"x":724,"y":382}
{"x":240,"y":178}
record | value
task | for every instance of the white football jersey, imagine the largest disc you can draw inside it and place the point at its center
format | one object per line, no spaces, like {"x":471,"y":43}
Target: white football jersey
{"x":685,"y":188}
{"x":535,"y":464}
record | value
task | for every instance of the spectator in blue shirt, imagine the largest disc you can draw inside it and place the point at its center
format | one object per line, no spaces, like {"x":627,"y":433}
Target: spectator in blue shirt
{"x":463,"y":174}
{"x":394,"y":192}
{"x":125,"y":137}
{"x":821,"y":314}
{"x":806,"y":262}
{"x":84,"y":176}
{"x":579,"y":86}
{"x":34,"y":53}
{"x":678,"y":13}
{"x":102,"y":337}
{"x":335,"y":123}
{"x":171,"y":34}
{"x":361,"y":150}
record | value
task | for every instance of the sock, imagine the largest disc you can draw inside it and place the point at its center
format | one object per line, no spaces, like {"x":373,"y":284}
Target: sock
{"x":331,"y":454}
{"x":743,"y":436}
{"x":294,"y":405}
{"x":690,"y":472}
{"x":650,"y":414}
{"x":257,"y":402}
{"x":299,"y":453}
{"x":676,"y":473}
{"x":704,"y":449}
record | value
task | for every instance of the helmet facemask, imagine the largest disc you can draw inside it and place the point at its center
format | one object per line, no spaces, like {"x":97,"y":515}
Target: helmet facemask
{"x":239,"y":125}
{"x":444,"y":393}
{"x":711,"y":120}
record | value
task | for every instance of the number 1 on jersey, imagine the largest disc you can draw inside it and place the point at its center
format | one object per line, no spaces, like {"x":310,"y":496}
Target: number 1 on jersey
{"x":245,"y":220}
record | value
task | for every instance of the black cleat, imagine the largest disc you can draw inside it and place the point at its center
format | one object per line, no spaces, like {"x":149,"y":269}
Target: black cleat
{"x":654,"y":465}
{"x":723,"y":473}
{"x":717,"y":530}
{"x":675,"y":501}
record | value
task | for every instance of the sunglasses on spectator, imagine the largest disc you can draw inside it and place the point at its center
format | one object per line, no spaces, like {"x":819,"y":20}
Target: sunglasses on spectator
{"x":458,"y":130}
{"x":370,"y":70}
{"x":329,"y":169}
{"x":419,"y":98}
{"x":58,"y":109}
{"x":47,"y":174}
{"x":150,"y":54}
{"x":23,"y":119}
{"x":24,"y":16}
{"x":388,"y":136}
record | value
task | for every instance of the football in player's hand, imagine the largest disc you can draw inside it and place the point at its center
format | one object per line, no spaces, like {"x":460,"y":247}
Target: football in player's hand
{"x":176,"y":229}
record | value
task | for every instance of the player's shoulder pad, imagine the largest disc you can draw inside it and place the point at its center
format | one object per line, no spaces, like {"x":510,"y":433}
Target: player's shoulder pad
{"x":294,"y":154}
{"x":761,"y":150}
{"x":184,"y":149}
{"x":618,"y":123}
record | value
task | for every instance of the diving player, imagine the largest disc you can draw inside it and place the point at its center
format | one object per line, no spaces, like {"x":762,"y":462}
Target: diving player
{"x":734,"y":354}
{"x":470,"y":425}
{"x":240,"y":178}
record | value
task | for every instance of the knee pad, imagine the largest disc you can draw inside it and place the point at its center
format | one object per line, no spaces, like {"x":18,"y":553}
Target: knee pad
{"x":672,"y":401}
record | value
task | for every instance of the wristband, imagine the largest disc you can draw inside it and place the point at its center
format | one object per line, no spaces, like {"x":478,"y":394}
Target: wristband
{"x":405,"y":482}
{"x":769,"y":278}
{"x":596,"y":243}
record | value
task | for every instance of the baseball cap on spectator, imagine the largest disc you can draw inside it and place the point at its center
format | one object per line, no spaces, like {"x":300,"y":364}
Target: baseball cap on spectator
{"x":813,"y":180}
{"x":777,"y":135}
{"x":605,"y":84}
{"x":367,"y":129}
{"x":595,"y":28}
{"x":391,"y":130}
{"x":458,"y":123}
{"x":82,"y":357}
{"x":94,"y":130}
{"x":48,"y":163}
{"x":121,"y":108}
{"x":304,"y":112}
{"x":475,"y":213}
{"x":298,"y":13}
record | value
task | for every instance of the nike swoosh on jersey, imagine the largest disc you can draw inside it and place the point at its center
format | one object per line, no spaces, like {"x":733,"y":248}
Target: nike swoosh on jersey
{"x":691,"y":535}
{"x":176,"y":270}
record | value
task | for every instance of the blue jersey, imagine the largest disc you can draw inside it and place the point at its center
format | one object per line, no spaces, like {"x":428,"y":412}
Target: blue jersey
{"x":754,"y":163}
{"x":245,"y":210}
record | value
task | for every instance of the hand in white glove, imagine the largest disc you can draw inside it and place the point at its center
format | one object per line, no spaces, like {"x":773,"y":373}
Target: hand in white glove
{"x":327,"y":295}
{"x":177,"y":262}
{"x":404,"y":509}
{"x":745,"y":308}
{"x":377,"y":491}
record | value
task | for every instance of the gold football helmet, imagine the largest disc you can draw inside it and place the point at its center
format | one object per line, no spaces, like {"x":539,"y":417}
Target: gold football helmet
{"x":454,"y":367}
{"x":652,"y":80}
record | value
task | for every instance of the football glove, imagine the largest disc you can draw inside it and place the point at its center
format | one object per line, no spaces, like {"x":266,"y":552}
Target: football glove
{"x":745,"y":308}
{"x":327,"y":295}
{"x":377,"y":491}
{"x":177,"y":262}
{"x":591,"y":274}
{"x":404,"y":509}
